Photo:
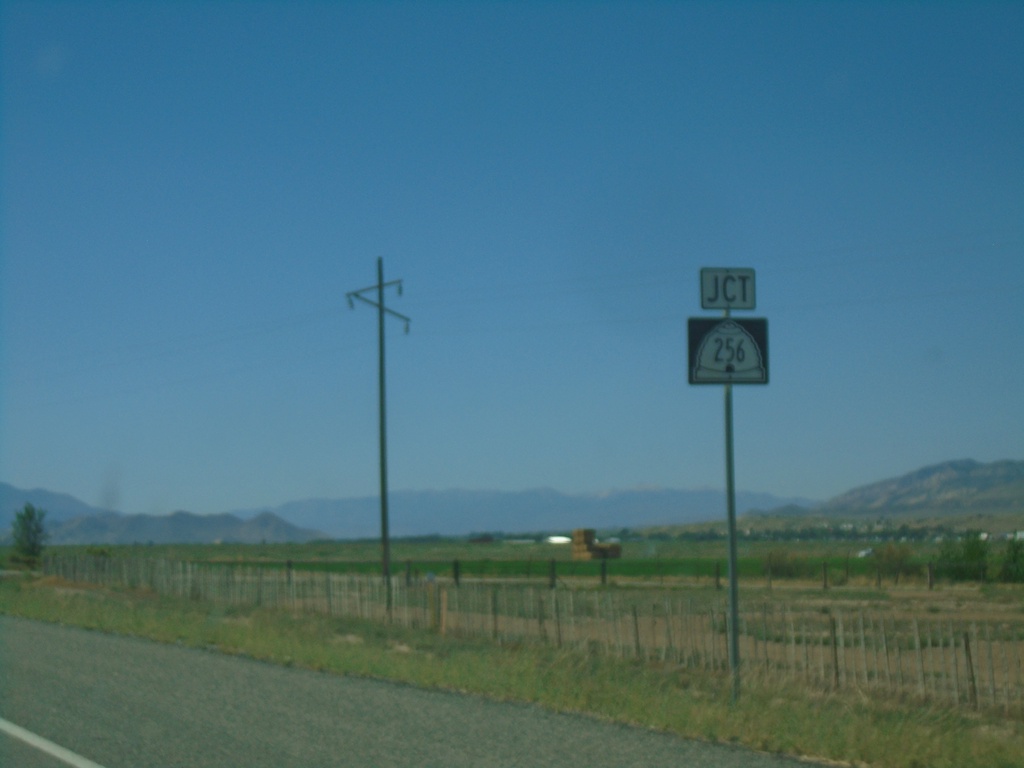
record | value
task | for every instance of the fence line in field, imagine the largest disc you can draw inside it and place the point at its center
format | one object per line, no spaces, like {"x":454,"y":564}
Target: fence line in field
{"x":967,"y":664}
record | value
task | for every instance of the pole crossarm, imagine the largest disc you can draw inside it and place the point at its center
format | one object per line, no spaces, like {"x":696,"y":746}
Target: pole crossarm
{"x":356,"y":295}
{"x":374,"y":287}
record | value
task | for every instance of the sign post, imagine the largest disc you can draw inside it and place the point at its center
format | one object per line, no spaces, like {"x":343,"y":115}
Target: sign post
{"x":728,"y":351}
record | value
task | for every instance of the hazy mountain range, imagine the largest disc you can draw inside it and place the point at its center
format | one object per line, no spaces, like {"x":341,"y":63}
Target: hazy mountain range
{"x":411,"y":513}
{"x":951,"y":488}
{"x":458,"y":512}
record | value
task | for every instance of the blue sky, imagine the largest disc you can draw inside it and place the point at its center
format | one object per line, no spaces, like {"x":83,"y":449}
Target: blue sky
{"x":189,"y":190}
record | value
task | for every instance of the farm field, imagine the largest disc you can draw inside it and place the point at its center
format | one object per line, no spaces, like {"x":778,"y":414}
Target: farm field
{"x":650,"y":560}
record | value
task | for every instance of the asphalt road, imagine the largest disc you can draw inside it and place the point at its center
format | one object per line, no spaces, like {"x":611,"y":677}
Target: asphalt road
{"x":127,"y":703}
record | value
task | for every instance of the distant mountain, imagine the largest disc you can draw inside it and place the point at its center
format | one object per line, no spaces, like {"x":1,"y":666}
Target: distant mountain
{"x":177,"y":528}
{"x":951,"y":488}
{"x":461,"y":512}
{"x":71,"y":521}
{"x":59,"y":506}
{"x":411,"y":513}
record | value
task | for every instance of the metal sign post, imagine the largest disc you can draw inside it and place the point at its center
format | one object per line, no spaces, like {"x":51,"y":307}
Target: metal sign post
{"x":728,"y":352}
{"x":730,"y":512}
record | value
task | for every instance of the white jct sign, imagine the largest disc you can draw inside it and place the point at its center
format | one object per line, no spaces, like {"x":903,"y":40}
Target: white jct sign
{"x":726,"y":288}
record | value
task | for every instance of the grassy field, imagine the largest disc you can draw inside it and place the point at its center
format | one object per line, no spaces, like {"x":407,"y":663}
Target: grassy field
{"x":851,"y":728}
{"x":454,"y":548}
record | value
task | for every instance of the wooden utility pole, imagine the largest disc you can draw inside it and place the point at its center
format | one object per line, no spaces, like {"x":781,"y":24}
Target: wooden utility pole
{"x":385,"y":539}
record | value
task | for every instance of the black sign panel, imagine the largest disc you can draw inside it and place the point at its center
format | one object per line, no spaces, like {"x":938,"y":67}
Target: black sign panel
{"x":728,"y":350}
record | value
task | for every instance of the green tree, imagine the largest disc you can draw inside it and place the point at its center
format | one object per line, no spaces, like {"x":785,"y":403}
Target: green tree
{"x":29,"y":533}
{"x":1013,"y":562}
{"x":964,"y":560}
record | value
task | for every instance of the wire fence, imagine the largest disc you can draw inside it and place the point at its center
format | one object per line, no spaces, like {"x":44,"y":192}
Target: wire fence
{"x":935,"y":659}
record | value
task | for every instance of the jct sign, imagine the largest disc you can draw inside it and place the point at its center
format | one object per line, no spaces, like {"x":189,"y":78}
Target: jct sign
{"x":726,"y":288}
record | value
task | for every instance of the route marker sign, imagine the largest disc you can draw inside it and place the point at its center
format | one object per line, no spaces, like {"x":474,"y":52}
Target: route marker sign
{"x":726,"y":288}
{"x":728,"y":350}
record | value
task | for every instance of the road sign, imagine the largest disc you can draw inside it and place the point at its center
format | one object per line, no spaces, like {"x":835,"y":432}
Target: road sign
{"x":728,"y":350}
{"x":726,"y":288}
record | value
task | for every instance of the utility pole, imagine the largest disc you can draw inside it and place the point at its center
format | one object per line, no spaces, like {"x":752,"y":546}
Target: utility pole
{"x":381,"y":311}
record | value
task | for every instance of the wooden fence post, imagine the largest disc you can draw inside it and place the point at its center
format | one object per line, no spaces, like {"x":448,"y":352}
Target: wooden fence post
{"x":714,"y":645}
{"x":991,"y":663}
{"x":572,"y":619}
{"x":971,"y":680}
{"x":956,"y":663}
{"x":558,"y":617}
{"x":636,"y":632}
{"x":670,"y":652}
{"x":444,"y":611}
{"x":432,"y":605}
{"x":835,"y":653}
{"x":494,"y":613}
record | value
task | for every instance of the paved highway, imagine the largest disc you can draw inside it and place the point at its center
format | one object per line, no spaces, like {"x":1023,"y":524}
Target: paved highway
{"x":127,"y":703}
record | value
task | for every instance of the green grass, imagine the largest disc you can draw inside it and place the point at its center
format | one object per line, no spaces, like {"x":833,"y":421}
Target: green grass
{"x":774,"y":719}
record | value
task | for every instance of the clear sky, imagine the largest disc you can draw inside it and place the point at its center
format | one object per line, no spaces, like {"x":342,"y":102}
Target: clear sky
{"x":189,"y":189}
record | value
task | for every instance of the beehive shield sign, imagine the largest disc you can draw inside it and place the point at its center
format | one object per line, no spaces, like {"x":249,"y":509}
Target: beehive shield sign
{"x":728,"y":351}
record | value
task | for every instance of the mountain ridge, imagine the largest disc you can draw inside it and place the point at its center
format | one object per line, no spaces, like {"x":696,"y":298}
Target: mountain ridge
{"x":950,"y":487}
{"x":947,"y":489}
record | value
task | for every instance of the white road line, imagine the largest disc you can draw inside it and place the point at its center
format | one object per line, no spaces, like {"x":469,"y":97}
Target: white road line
{"x":54,"y":750}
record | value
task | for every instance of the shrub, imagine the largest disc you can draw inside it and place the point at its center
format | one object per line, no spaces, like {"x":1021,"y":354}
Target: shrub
{"x":894,"y":560}
{"x":785,"y":565}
